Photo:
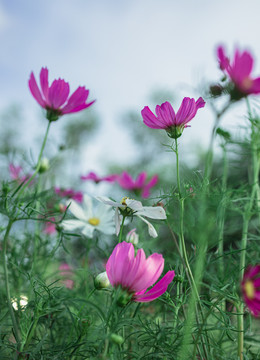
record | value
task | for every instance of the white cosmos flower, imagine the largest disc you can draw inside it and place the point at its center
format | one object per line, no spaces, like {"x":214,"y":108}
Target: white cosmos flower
{"x":89,"y":219}
{"x":136,"y":209}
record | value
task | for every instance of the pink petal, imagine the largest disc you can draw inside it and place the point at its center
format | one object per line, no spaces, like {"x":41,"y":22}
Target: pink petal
{"x":77,"y":101}
{"x":151,"y":120}
{"x":140,"y":181}
{"x":135,"y":271}
{"x":242,"y":66}
{"x":35,"y":91}
{"x":119,"y":262}
{"x":152,"y":271}
{"x":157,"y":290}
{"x":186,"y":111}
{"x":44,"y":83}
{"x":58,"y":93}
{"x":223,"y":59}
{"x":126,"y":181}
{"x":90,"y":176}
{"x":148,"y":186}
{"x":166,"y":114}
{"x":255,"y":88}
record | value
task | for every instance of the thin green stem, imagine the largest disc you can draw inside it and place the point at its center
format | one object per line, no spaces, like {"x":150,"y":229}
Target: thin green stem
{"x":38,"y":165}
{"x":7,"y":287}
{"x":121,"y":230}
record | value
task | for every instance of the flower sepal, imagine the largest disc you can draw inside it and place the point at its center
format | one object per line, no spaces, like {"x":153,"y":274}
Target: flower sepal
{"x":122,"y":296}
{"x":52,"y":115}
{"x":175,"y":132}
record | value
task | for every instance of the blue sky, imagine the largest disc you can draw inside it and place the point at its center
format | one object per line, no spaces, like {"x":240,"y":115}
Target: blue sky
{"x":122,"y":51}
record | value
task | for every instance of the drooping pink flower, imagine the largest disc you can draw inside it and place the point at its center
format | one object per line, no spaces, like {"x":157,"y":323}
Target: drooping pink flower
{"x":135,"y":274}
{"x":240,"y":71}
{"x":166,"y":118}
{"x":69,"y":193}
{"x":251,"y":289}
{"x":66,"y":274}
{"x":126,"y":181}
{"x":97,"y":179}
{"x":55,"y":98}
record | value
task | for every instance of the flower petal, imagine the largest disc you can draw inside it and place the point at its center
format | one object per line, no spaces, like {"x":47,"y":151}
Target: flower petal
{"x":35,"y":91}
{"x":58,"y":93}
{"x":151,"y":272}
{"x":77,"y":210}
{"x":153,"y":212}
{"x":157,"y":290}
{"x":151,"y":230}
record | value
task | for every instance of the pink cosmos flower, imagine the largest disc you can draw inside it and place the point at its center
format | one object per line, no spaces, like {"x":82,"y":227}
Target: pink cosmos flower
{"x":55,"y":98}
{"x":97,"y":179}
{"x":127,"y":182}
{"x":251,"y":289}
{"x":166,"y":118}
{"x":66,"y":272}
{"x":239,"y":71}
{"x":135,"y":274}
{"x":69,"y":193}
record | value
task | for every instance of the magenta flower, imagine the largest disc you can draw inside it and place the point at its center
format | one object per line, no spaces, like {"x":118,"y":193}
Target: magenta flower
{"x":55,"y":98}
{"x":251,"y":289}
{"x":166,"y":118}
{"x":135,"y":274}
{"x":239,"y":71}
{"x":97,"y":179}
{"x":70,"y":194}
{"x":127,"y":182}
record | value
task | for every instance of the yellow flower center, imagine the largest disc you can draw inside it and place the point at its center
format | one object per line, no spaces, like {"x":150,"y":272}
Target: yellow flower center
{"x":123,"y":200}
{"x":93,"y":221}
{"x":249,"y":289}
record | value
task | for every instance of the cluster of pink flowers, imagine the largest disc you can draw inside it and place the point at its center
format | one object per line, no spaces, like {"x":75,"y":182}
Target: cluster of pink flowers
{"x":126,"y":181}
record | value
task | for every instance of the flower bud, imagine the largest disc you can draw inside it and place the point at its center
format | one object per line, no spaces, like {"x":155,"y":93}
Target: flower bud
{"x":132,"y":237}
{"x":44,"y":165}
{"x":117,"y":339}
{"x":101,"y":281}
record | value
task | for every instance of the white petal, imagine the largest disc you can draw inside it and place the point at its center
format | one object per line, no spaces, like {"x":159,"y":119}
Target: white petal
{"x":156,"y":212}
{"x":76,"y":210}
{"x":151,"y":230}
{"x":134,"y":204}
{"x":88,"y":230}
{"x":71,"y":225}
{"x":106,"y":200}
{"x":108,"y":229}
{"x":87,"y":204}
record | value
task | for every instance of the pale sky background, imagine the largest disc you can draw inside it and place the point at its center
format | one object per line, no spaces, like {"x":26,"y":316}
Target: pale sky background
{"x":122,"y":51}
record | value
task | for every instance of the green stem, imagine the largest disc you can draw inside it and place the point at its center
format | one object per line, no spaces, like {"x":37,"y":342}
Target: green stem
{"x":10,"y":307}
{"x":222,"y":216}
{"x":182,"y":245}
{"x":38,"y":165}
{"x":121,"y":230}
